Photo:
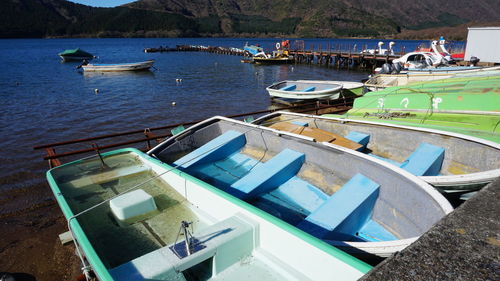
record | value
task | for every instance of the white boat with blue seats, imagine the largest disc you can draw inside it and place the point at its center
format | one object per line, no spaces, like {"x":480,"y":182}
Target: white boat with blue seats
{"x":306,"y":89}
{"x":348,"y":199}
{"x":451,"y":162}
{"x":134,"y":218}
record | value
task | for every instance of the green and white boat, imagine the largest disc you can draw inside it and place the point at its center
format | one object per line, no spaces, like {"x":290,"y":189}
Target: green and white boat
{"x":133,"y":217}
{"x":466,"y":105}
{"x":382,"y":81}
{"x":75,"y":55}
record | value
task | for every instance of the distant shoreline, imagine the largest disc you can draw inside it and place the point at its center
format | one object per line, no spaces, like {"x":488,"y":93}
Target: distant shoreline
{"x":114,"y":35}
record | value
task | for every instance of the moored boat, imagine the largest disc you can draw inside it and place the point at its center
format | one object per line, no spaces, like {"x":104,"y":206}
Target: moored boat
{"x":305,"y":89}
{"x":382,"y":81}
{"x":282,"y":59}
{"x":461,"y":104}
{"x":133,"y":217}
{"x":456,"y":167}
{"x":102,"y":67}
{"x":352,"y":201}
{"x":75,"y":55}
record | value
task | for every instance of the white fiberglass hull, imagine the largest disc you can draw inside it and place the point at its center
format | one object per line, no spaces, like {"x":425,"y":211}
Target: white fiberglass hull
{"x":119,"y":67}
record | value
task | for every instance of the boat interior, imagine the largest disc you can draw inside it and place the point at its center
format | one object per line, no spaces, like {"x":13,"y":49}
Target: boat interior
{"x":298,"y":86}
{"x":429,"y":154}
{"x":331,"y":194}
{"x":140,"y":231}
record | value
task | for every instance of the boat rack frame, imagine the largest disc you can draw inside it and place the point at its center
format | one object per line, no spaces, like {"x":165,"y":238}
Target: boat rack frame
{"x":151,"y":138}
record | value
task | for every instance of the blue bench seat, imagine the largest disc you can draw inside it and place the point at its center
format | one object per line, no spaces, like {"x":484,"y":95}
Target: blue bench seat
{"x":216,"y":149}
{"x":426,"y":160}
{"x":269,"y":175}
{"x":345,"y":212}
{"x":224,"y":172}
{"x":360,"y":138}
{"x":309,"y":89}
{"x":300,"y":123}
{"x":374,"y":232}
{"x":289,"y":88}
{"x":300,"y":194}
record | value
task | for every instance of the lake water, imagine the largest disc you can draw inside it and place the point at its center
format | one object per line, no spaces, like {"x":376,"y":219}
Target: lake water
{"x":43,"y":100}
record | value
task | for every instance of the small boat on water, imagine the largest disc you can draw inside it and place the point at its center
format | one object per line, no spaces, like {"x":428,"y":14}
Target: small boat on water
{"x":350,"y":200}
{"x":75,"y":55}
{"x":103,"y":67}
{"x":277,"y":59}
{"x":135,"y":218}
{"x":305,"y":89}
{"x":461,"y":163}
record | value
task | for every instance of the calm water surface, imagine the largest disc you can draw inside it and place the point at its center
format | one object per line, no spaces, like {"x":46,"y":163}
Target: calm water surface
{"x":43,"y":100}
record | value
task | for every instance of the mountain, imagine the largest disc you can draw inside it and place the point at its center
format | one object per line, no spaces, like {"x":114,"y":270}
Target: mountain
{"x":335,"y":16}
{"x":60,"y":18}
{"x":301,"y":18}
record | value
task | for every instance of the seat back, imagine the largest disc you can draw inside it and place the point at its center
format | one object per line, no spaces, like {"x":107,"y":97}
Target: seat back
{"x":269,"y":175}
{"x":216,"y":149}
{"x":360,"y":138}
{"x":426,"y":160}
{"x":345,"y":212}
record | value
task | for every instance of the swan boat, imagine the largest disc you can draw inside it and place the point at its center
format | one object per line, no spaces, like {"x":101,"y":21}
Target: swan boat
{"x":455,"y":162}
{"x":350,"y":200}
{"x":135,"y":218}
{"x":103,"y":67}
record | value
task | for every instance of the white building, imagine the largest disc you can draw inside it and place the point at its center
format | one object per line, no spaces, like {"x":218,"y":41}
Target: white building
{"x":483,"y":43}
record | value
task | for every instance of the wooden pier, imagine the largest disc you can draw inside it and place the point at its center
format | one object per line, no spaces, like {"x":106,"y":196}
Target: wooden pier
{"x":338,"y":56}
{"x":342,"y":59}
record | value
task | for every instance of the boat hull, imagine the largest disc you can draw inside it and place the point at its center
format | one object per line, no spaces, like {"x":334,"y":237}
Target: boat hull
{"x":302,"y":90}
{"x":224,"y":216}
{"x":461,"y":171}
{"x":382,"y":81}
{"x":75,"y":55}
{"x":119,"y":67}
{"x":466,"y":105}
{"x":76,"y":58}
{"x":262,"y":143}
{"x":260,"y":60}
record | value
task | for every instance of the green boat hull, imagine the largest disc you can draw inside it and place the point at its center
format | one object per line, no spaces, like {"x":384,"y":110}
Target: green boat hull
{"x":468,"y":105}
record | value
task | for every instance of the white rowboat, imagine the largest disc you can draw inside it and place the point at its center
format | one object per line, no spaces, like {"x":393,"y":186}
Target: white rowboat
{"x":135,"y":66}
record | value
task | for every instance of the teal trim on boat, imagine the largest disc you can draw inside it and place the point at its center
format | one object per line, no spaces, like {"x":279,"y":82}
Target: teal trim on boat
{"x":79,"y":235}
{"x":103,"y":273}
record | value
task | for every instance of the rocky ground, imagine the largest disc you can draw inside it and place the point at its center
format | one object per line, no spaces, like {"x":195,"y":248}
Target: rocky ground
{"x":30,"y":248}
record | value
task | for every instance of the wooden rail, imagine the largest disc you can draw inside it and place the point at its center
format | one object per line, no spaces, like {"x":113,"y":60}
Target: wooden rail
{"x":151,"y":138}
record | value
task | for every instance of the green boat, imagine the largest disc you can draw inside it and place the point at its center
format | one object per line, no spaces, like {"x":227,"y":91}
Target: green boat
{"x":75,"y":55}
{"x":466,"y":105}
